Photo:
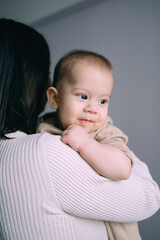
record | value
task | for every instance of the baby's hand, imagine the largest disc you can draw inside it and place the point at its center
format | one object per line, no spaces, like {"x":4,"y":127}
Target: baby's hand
{"x":75,"y":136}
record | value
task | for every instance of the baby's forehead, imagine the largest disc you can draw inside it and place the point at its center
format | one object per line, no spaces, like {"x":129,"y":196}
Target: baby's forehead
{"x":74,"y":67}
{"x":83,"y":65}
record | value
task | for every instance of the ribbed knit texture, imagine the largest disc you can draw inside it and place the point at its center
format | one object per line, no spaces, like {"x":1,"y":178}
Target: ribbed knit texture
{"x":47,"y":192}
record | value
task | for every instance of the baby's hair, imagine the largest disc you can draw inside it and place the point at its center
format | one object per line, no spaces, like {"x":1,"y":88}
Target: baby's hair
{"x":68,"y":61}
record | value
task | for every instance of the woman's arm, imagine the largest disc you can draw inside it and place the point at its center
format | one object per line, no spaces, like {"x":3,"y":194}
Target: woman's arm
{"x":84,"y":193}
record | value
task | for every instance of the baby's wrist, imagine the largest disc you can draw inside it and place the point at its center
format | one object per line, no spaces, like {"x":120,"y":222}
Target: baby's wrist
{"x":83,"y":145}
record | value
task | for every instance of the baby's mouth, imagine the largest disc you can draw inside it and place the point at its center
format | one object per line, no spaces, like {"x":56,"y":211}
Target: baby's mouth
{"x":86,"y":123}
{"x":86,"y":120}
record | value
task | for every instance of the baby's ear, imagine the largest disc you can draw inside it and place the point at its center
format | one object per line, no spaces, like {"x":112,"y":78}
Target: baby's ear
{"x":52,"y":95}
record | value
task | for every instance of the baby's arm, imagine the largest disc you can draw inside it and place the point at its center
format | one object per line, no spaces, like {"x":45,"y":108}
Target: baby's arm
{"x":107,"y":160}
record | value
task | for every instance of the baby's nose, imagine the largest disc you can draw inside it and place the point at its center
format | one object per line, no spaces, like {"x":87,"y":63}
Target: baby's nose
{"x":91,"y":107}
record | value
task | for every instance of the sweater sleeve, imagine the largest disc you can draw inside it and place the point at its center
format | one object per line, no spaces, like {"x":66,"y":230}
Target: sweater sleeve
{"x":84,"y":193}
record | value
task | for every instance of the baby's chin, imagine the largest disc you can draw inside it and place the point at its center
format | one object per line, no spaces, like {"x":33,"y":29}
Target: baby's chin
{"x":91,"y":130}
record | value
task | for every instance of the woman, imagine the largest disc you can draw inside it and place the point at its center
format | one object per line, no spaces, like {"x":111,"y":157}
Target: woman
{"x":47,"y":191}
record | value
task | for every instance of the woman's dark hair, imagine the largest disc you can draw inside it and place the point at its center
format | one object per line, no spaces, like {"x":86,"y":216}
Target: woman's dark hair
{"x":24,"y":74}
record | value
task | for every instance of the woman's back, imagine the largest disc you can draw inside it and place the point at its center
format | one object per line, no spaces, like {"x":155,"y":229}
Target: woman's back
{"x":47,"y":191}
{"x":29,"y":205}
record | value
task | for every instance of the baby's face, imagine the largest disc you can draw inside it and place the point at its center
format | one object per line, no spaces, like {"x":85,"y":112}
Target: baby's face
{"x":83,"y":99}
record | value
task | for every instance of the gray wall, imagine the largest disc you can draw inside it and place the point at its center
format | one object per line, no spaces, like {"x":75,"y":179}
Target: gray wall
{"x":128,"y":33}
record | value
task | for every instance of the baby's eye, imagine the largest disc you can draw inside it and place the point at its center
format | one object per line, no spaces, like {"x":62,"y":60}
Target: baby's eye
{"x":103,"y":101}
{"x":82,"y":96}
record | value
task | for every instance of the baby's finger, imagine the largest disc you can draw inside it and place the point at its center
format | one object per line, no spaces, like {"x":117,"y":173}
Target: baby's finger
{"x":64,"y":132}
{"x":64,"y":139}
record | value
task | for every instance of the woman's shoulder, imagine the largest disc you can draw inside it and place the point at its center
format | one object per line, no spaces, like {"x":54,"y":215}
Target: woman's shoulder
{"x":22,"y":140}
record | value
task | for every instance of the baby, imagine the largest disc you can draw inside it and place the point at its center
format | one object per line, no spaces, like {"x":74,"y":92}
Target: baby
{"x":80,"y":94}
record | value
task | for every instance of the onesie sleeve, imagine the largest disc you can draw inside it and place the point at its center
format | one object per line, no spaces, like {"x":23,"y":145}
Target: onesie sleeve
{"x":84,"y":193}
